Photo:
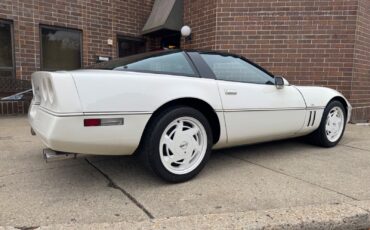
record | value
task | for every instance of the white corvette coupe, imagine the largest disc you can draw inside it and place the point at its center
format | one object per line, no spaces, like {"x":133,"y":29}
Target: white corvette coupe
{"x":172,"y":107}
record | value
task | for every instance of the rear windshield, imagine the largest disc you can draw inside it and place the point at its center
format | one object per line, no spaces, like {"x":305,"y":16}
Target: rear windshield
{"x":127,"y":60}
{"x":167,"y":61}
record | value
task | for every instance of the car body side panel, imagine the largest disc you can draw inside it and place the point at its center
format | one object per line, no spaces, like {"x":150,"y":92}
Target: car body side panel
{"x":135,"y":96}
{"x":311,"y":122}
{"x":222,"y":141}
{"x":260,"y":112}
{"x":319,"y":97}
{"x":110,"y":94}
{"x":259,"y":126}
{"x":118,"y":91}
{"x":121,"y":91}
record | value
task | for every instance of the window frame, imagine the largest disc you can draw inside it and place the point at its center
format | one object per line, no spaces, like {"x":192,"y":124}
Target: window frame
{"x":129,"y":38}
{"x":240,"y":57}
{"x":13,"y":68}
{"x":43,"y":26}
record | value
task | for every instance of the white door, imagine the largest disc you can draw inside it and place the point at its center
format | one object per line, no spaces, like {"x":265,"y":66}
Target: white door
{"x":254,"y":109}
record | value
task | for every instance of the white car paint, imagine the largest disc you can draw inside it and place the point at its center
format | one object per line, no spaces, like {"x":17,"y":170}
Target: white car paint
{"x":65,"y":96}
{"x":67,"y":133}
{"x":259,"y":112}
{"x":114,"y":91}
{"x":256,"y":113}
{"x":319,"y":97}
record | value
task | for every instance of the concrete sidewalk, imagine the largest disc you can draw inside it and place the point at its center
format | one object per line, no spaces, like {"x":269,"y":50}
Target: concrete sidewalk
{"x":335,"y":216}
{"x":267,"y":185}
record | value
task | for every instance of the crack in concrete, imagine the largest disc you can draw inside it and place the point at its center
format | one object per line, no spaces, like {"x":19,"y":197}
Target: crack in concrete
{"x":352,"y":147}
{"x":38,"y":170}
{"x":112,"y":184}
{"x":6,"y":138}
{"x":297,"y":178}
{"x":26,"y":227}
{"x":354,"y":205}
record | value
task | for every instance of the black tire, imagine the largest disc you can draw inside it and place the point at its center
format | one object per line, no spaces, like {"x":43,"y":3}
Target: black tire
{"x":150,"y":152}
{"x":319,"y":137}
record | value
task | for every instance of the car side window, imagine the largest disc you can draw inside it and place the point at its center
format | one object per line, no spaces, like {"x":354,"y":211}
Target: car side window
{"x":175,"y":63}
{"x":230,"y":68}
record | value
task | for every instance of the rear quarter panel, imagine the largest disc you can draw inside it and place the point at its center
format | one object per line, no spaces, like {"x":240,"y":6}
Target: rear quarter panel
{"x":65,"y":96}
{"x":121,"y":91}
{"x":107,"y":91}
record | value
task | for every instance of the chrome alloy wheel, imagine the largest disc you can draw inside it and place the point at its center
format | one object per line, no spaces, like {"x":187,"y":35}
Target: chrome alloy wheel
{"x":183,"y":145}
{"x":334,"y":124}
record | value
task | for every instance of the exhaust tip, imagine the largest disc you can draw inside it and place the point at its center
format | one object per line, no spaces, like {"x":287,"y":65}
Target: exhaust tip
{"x":51,"y":155}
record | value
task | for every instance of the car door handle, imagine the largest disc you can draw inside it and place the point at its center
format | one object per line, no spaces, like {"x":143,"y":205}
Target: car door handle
{"x":231,"y":92}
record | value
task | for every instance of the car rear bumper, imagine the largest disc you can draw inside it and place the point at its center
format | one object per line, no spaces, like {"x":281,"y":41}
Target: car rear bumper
{"x":68,"y":133}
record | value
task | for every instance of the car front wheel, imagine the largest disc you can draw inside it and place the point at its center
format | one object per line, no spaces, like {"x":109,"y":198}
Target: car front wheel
{"x":178,"y":143}
{"x":332,"y":126}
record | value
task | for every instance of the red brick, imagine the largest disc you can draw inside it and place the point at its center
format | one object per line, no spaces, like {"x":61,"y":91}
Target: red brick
{"x":332,"y":36}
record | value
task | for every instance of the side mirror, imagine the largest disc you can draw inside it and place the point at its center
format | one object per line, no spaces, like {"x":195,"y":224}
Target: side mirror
{"x":279,"y":82}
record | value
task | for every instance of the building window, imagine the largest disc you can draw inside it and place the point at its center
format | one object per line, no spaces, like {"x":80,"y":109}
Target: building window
{"x":61,"y":48}
{"x":128,"y":46}
{"x":6,"y":50}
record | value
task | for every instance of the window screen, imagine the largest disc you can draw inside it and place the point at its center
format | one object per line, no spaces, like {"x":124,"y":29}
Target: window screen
{"x":61,"y":49}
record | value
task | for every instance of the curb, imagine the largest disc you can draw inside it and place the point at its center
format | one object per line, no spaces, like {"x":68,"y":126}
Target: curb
{"x":353,"y":215}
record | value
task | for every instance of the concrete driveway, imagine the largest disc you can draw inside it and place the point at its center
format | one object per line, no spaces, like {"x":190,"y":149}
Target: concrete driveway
{"x":91,"y":190}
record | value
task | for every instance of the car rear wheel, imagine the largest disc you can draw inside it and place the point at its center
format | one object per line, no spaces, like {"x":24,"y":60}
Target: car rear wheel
{"x":178,"y":143}
{"x":332,"y":126}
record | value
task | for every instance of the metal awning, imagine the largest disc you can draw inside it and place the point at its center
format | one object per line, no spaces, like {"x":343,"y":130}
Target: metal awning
{"x":165,"y":15}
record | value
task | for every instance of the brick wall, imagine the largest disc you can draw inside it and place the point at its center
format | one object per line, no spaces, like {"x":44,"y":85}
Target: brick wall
{"x":98,"y":20}
{"x":201,"y":16}
{"x":310,"y":42}
{"x":360,"y":95}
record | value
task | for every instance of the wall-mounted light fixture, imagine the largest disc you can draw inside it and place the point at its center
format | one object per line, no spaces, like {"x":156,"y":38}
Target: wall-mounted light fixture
{"x":186,"y":33}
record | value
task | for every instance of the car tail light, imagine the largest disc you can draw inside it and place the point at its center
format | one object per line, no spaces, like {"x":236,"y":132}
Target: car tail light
{"x":103,"y":122}
{"x":92,"y":122}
